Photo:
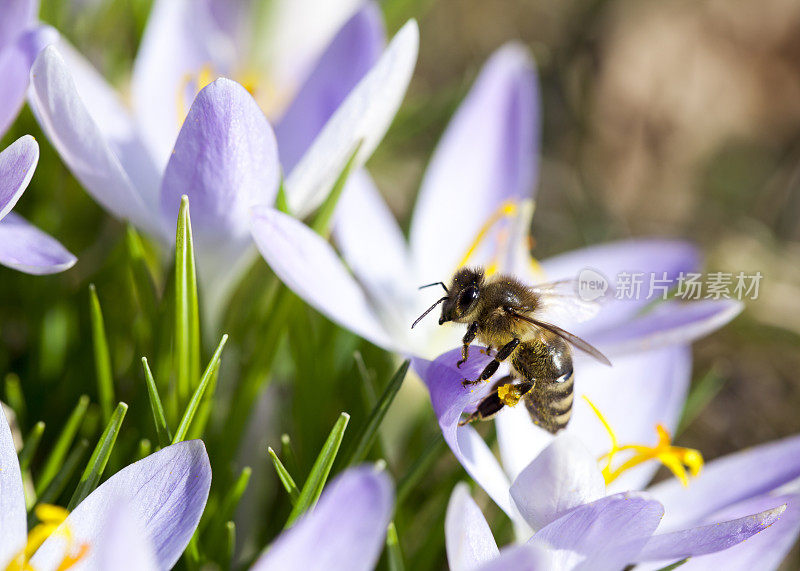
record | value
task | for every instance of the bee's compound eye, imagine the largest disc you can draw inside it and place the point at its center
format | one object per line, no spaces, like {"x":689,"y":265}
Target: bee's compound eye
{"x":467,"y":297}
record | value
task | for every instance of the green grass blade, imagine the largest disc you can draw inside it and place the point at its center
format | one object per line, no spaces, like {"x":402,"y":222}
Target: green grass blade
{"x":700,"y":395}
{"x":282,"y":202}
{"x":53,"y":490}
{"x":15,"y":398}
{"x":288,"y":455}
{"x":674,"y":565}
{"x":319,"y":471}
{"x":393,"y":552}
{"x":144,"y":449}
{"x":102,"y":356}
{"x":285,"y":477}
{"x":321,"y":224}
{"x":370,"y":431}
{"x":99,"y":458}
{"x":197,"y":397}
{"x":144,"y":283}
{"x":162,"y":428}
{"x":187,"y":313}
{"x":230,"y":541}
{"x":62,"y":445}
{"x":30,"y":446}
{"x":421,"y":467}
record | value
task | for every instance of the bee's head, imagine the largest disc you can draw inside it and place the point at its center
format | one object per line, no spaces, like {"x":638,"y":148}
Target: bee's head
{"x":463,"y":295}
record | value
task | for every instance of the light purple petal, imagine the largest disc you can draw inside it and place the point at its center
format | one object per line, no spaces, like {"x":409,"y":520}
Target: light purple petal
{"x":487,"y":155}
{"x":449,"y":399}
{"x":709,"y":538}
{"x":309,"y":267}
{"x":765,"y":550}
{"x":468,"y":538}
{"x":521,"y":557}
{"x":728,"y":480}
{"x":519,"y":439}
{"x":363,"y":117}
{"x":166,"y":492}
{"x":124,"y":545}
{"x":17,"y":15}
{"x":353,"y":51}
{"x":564,"y":476}
{"x":13,"y":518}
{"x":225,"y":161}
{"x":605,"y":534}
{"x":647,"y":257}
{"x":17,"y":163}
{"x":162,"y":86}
{"x":345,"y":531}
{"x":374,"y":248}
{"x":670,"y":323}
{"x":25,"y":248}
{"x":65,"y":118}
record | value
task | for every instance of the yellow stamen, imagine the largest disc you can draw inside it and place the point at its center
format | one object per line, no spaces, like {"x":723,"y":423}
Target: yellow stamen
{"x":506,"y":210}
{"x":51,"y":520}
{"x":676,"y":458}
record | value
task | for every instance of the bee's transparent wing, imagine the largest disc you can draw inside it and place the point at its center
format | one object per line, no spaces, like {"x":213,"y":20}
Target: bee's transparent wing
{"x":560,"y":302}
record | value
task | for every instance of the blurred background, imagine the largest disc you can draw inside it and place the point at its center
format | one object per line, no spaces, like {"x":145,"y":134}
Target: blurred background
{"x":676,"y":118}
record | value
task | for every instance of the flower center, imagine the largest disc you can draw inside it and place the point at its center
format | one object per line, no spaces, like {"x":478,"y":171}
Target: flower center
{"x":192,"y":83}
{"x":679,"y":460}
{"x":51,"y":519}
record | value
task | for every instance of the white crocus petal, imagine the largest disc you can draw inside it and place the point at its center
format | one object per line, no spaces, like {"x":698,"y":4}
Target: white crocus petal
{"x":309,"y":267}
{"x":527,"y":557}
{"x":362,"y":118}
{"x":13,"y":526}
{"x":65,"y":118}
{"x":565,"y":475}
{"x":468,"y":539}
{"x":520,"y":440}
{"x":124,"y":544}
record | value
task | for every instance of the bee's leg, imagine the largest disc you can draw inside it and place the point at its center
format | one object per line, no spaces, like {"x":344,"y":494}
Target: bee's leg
{"x":505,"y":393}
{"x":491,"y":368}
{"x":469,"y":336}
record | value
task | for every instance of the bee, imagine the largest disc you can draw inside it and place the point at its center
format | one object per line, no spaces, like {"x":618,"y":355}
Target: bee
{"x":503,"y":313}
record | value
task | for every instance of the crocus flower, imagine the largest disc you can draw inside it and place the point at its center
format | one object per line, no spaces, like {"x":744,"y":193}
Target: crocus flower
{"x":225,"y":156}
{"x":24,"y":247}
{"x":638,"y":401}
{"x":474,"y":208}
{"x":165,"y":492}
{"x":21,"y":38}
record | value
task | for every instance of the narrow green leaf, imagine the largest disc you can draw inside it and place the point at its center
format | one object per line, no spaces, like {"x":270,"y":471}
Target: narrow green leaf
{"x":15,"y":397}
{"x":187,"y":313}
{"x":234,"y":495}
{"x":230,"y":541}
{"x":674,"y":565}
{"x":99,"y":458}
{"x":367,"y":435}
{"x":288,"y":455}
{"x":145,"y":448}
{"x":321,"y":223}
{"x":162,"y":428}
{"x":393,"y":552}
{"x":144,"y":283}
{"x":282,"y":202}
{"x":700,"y":395}
{"x":203,"y":415}
{"x":102,"y":357}
{"x":285,"y":477}
{"x":30,"y":446}
{"x":191,"y":409}
{"x":62,"y":445}
{"x":421,"y":467}
{"x":53,"y":490}
{"x":319,"y":471}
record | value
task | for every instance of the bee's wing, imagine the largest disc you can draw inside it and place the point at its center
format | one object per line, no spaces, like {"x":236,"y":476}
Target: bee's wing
{"x":559,"y":301}
{"x":573,"y":340}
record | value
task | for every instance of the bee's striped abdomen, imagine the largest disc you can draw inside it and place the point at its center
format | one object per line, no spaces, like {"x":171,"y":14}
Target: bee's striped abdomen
{"x":550,"y":402}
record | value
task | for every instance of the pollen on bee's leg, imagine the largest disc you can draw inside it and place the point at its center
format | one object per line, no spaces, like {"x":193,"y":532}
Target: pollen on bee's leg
{"x":509,"y":394}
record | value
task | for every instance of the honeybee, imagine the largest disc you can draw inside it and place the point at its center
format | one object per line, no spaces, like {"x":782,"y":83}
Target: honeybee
{"x":503,"y":313}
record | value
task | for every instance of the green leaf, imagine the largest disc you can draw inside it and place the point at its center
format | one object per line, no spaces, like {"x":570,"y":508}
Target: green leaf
{"x":701,"y":394}
{"x":393,"y":551}
{"x":288,"y":455}
{"x":144,"y":283}
{"x":53,"y":490}
{"x":285,"y":477}
{"x":194,"y":403}
{"x":15,"y":397}
{"x":319,"y":471}
{"x":30,"y":446}
{"x":102,"y":357}
{"x":234,"y":495}
{"x":97,"y":462}
{"x":162,"y":428}
{"x":282,"y":202}
{"x":321,"y":223}
{"x":62,"y":445}
{"x":367,"y":435}
{"x":230,"y":540}
{"x":421,"y":467}
{"x":674,"y":565}
{"x":187,"y":313}
{"x":145,"y":448}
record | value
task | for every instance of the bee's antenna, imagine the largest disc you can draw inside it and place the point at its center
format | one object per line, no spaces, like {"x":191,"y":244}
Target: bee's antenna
{"x":435,"y":283}
{"x":427,"y":311}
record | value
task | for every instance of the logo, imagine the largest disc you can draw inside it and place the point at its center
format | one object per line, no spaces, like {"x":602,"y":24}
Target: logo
{"x":591,"y":284}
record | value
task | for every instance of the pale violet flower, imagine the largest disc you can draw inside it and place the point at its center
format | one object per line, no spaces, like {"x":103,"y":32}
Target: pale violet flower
{"x":24,"y":247}
{"x":165,"y":494}
{"x":220,"y":151}
{"x":474,"y":208}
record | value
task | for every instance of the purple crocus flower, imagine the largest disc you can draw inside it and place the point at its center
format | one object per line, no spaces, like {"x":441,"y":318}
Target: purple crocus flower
{"x":474,"y":208}
{"x":538,"y":478}
{"x":21,"y":38}
{"x":165,"y":494}
{"x":223,"y":154}
{"x":24,"y":247}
